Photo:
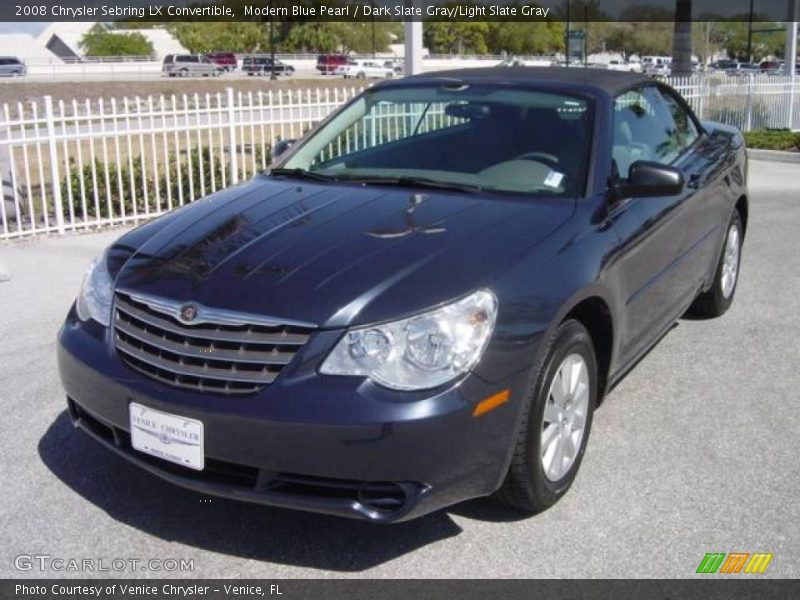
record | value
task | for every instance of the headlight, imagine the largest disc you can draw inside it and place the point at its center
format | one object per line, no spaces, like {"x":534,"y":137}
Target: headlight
{"x":419,"y":352}
{"x":94,"y":299}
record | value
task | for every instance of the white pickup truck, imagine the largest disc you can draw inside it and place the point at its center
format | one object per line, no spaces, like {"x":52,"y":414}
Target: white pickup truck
{"x":363,"y":69}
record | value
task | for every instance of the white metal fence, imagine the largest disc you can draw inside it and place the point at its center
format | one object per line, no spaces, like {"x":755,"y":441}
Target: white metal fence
{"x":83,"y":165}
{"x":749,"y":102}
{"x":79,"y":165}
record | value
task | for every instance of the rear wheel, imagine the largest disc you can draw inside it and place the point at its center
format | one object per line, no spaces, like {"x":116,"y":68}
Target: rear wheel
{"x":361,"y":75}
{"x":717,"y":300}
{"x":556,"y":421}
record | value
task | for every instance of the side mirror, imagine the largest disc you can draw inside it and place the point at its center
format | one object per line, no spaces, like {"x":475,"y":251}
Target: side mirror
{"x":280,"y":147}
{"x":649,"y":180}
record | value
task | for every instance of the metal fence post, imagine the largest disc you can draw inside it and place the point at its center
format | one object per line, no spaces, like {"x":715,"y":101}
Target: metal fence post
{"x":704,"y":87}
{"x":792,"y":100}
{"x":55,"y":176}
{"x":749,"y":121}
{"x":233,"y":163}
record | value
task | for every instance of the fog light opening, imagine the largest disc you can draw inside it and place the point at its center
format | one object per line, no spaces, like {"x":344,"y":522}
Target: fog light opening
{"x":384,"y":498}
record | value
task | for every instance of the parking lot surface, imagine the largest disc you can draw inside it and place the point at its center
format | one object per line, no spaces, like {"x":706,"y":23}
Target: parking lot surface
{"x":695,"y":451}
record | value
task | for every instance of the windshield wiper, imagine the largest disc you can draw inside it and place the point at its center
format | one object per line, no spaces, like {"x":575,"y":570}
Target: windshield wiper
{"x":408,"y":181}
{"x":302,"y":174}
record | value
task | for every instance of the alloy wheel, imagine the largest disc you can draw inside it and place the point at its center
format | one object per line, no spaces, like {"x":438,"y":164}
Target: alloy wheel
{"x":564,"y":419}
{"x":730,"y":261}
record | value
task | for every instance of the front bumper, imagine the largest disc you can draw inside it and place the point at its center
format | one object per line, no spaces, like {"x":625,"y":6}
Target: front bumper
{"x":333,"y":445}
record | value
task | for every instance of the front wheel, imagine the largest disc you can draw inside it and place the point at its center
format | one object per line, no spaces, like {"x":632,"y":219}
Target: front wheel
{"x":556,"y":421}
{"x":717,"y":300}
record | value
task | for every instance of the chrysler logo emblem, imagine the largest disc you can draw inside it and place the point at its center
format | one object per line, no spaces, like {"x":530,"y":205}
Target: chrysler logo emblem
{"x":188,"y":312}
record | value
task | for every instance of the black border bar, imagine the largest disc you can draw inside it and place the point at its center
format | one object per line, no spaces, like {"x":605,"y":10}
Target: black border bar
{"x":735,"y":587}
{"x":391,"y":10}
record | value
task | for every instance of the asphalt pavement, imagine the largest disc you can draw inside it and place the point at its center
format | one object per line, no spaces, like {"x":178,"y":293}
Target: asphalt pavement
{"x":695,"y":451}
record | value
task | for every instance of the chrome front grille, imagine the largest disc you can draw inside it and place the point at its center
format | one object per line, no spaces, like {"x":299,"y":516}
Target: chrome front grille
{"x":221,"y":353}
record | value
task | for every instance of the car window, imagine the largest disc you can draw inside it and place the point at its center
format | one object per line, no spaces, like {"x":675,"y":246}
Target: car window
{"x":499,"y":139}
{"x":685,"y":128}
{"x":645,"y":129}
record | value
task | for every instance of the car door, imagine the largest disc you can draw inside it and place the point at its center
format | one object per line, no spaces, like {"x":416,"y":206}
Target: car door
{"x":656,"y":270}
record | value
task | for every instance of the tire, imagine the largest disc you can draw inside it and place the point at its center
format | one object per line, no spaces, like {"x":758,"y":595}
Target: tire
{"x":529,"y":485}
{"x":717,"y":300}
{"x":361,"y":76}
{"x":184,"y":72}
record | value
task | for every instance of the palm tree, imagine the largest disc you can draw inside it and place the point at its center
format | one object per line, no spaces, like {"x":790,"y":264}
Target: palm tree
{"x":682,"y":39}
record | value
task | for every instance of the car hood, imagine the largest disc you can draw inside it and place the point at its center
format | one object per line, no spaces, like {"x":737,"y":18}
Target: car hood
{"x":332,"y":255}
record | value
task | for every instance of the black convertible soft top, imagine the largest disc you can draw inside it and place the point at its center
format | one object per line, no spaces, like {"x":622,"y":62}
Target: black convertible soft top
{"x":612,"y":82}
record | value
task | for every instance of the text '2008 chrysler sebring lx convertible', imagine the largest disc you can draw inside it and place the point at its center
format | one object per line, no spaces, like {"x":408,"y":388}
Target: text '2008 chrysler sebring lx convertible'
{"x":422,"y":301}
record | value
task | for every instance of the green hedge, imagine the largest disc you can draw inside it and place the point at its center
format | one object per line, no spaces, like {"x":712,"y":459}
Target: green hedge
{"x":781,"y":139}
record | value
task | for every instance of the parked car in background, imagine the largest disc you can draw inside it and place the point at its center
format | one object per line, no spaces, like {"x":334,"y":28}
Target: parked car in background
{"x":328,"y":63}
{"x":657,"y":65}
{"x":626,"y":67}
{"x":771,"y":66}
{"x":384,"y":325}
{"x":364,"y":69}
{"x":11,"y":66}
{"x":226,"y":60}
{"x":722,"y":65}
{"x":741,"y":68}
{"x":511,"y":61}
{"x":398,"y":66}
{"x":263,"y":65}
{"x":189,"y":65}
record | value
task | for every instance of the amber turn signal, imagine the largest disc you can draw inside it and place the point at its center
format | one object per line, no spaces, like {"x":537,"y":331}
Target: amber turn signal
{"x":490,"y":403}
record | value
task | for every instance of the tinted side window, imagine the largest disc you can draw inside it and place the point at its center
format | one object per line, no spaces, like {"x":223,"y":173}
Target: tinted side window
{"x":645,"y":129}
{"x":685,"y":128}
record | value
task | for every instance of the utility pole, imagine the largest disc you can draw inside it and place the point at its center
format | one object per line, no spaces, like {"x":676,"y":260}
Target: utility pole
{"x":413,"y":44}
{"x":567,"y":38}
{"x":272,"y":74}
{"x":374,"y":54}
{"x":586,"y":34}
{"x":750,"y":34}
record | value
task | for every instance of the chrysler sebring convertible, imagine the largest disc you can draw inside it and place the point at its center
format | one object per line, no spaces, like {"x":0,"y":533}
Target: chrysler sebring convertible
{"x":422,"y":302}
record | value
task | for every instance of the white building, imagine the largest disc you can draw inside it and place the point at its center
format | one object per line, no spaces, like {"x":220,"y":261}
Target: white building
{"x":27,"y":48}
{"x":63,"y":40}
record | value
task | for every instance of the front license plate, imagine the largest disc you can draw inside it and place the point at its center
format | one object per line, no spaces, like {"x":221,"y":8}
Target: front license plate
{"x":167,"y":436}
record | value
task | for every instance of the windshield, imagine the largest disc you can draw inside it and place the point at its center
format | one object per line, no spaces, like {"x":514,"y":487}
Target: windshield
{"x":487,"y":137}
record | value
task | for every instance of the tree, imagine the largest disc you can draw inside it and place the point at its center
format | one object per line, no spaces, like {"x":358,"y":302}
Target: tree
{"x":456,"y":37}
{"x":218,"y":35}
{"x":99,"y":41}
{"x":524,"y":37}
{"x":735,"y":41}
{"x":339,"y":36}
{"x":682,"y":39}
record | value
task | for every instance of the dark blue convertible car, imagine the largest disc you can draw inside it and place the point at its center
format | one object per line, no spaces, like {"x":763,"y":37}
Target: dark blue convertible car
{"x":422,"y":302}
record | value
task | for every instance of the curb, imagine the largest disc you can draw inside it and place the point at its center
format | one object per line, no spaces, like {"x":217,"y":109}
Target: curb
{"x":774,"y":156}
